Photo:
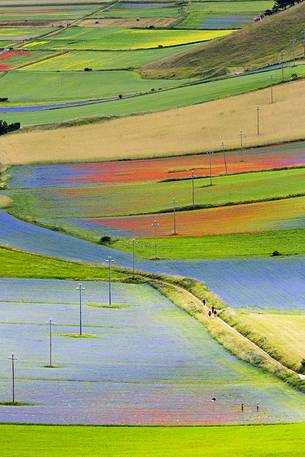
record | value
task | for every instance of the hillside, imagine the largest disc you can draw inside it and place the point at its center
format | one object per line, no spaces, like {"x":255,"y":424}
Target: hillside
{"x":261,"y":44}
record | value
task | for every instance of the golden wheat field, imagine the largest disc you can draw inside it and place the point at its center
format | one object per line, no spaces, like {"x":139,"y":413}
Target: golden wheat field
{"x":174,"y":132}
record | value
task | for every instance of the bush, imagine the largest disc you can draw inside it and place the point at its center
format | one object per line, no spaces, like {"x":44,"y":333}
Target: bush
{"x":5,"y":127}
{"x":87,"y":69}
{"x":302,"y":366}
{"x":13,"y":127}
{"x":275,"y":253}
{"x":105,"y":239}
{"x":3,"y":99}
{"x":294,"y":76}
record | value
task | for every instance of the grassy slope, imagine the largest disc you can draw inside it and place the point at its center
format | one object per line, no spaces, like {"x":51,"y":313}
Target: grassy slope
{"x":51,"y":441}
{"x":254,"y":46}
{"x":19,"y":264}
{"x":287,"y":241}
{"x":124,"y":199}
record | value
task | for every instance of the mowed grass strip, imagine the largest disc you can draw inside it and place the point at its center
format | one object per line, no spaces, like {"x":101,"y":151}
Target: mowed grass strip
{"x":176,"y":132}
{"x":257,"y":441}
{"x":118,"y":200}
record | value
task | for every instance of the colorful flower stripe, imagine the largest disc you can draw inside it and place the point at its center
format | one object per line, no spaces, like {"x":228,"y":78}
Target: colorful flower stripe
{"x":181,"y":167}
{"x":8,"y":55}
{"x":228,"y":219}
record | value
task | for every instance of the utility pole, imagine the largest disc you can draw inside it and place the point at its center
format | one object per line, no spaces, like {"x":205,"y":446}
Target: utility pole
{"x":271,"y":90}
{"x":193,"y":190}
{"x":155,"y":226}
{"x":224,"y":156}
{"x":80,"y":288}
{"x":210,"y":163}
{"x":109,"y":260}
{"x":294,"y":43}
{"x":282,"y":65}
{"x":174,"y":217}
{"x":133,"y":257}
{"x":50,"y":344}
{"x":257,"y":121}
{"x":13,"y":359}
{"x":241,"y":134}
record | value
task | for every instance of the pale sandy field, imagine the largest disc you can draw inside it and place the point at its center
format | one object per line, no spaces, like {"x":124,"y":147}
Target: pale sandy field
{"x":179,"y":131}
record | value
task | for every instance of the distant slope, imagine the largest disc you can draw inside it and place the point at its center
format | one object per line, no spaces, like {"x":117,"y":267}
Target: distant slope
{"x":254,"y":46}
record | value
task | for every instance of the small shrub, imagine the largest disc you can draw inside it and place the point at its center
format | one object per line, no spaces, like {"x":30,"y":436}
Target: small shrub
{"x":120,"y":96}
{"x":275,"y":253}
{"x":3,"y":99}
{"x":105,"y":239}
{"x":87,"y":69}
{"x":302,"y":366}
{"x":294,"y":76}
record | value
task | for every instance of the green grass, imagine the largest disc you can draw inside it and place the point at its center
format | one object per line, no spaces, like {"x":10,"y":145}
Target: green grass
{"x":255,"y":46}
{"x":31,"y":87}
{"x":110,"y":38}
{"x":287,"y":241}
{"x":132,"y":199}
{"x":232,"y":8}
{"x":19,"y":264}
{"x":104,"y":60}
{"x":255,"y":441}
{"x":179,"y":97}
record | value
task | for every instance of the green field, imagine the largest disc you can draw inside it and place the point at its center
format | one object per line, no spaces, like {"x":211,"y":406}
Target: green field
{"x":110,"y":38}
{"x":19,"y":264}
{"x":103,"y":60}
{"x":235,"y":7}
{"x":286,"y":241}
{"x":140,"y":12}
{"x":40,"y":13}
{"x":52,"y":441}
{"x":30,"y":87}
{"x":124,"y":200}
{"x":22,"y":33}
{"x":184,"y":96}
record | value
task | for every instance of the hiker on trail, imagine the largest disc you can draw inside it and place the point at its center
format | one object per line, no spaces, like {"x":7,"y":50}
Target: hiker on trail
{"x":210,"y":313}
{"x":203,"y":301}
{"x":213,"y":308}
{"x":257,"y":407}
{"x":242,"y":407}
{"x":215,"y":312}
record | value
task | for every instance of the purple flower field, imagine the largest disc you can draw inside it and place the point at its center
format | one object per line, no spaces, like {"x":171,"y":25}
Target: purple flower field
{"x":149,"y":362}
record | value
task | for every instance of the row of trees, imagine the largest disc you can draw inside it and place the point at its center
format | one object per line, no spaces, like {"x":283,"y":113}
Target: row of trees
{"x":280,"y":5}
{"x":6,"y":128}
